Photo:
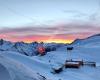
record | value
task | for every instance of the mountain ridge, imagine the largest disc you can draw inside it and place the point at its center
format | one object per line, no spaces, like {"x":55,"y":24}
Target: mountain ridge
{"x":28,"y":49}
{"x":91,"y":39}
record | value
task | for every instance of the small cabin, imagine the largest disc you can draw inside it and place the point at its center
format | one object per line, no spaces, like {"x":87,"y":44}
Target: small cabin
{"x":72,"y":64}
{"x":93,"y":64}
{"x":70,"y":48}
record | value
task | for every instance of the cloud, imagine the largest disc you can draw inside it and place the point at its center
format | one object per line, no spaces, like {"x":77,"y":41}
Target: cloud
{"x":69,"y":31}
{"x":53,"y":29}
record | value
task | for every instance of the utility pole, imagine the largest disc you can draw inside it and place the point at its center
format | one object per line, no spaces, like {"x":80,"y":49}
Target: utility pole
{"x":69,"y":49}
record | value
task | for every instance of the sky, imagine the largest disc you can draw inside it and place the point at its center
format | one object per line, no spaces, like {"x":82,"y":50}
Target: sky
{"x":60,"y":21}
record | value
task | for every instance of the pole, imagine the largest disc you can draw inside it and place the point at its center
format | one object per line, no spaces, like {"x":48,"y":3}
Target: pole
{"x":69,"y":54}
{"x":69,"y":49}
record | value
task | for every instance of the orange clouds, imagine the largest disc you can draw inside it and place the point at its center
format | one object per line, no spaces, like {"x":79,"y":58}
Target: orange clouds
{"x":59,"y":38}
{"x":61,"y":33}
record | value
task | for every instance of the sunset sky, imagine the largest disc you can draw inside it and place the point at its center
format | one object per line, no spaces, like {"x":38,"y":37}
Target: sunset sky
{"x":60,"y":21}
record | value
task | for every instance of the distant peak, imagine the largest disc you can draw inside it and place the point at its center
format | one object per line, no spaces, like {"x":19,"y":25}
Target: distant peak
{"x":1,"y":41}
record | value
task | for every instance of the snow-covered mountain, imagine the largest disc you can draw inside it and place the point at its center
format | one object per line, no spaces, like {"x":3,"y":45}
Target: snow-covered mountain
{"x":21,"y":47}
{"x":29,"y":49}
{"x":92,"y":40}
{"x":5,"y":45}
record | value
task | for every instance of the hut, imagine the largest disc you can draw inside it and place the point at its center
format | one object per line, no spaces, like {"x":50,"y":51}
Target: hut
{"x":72,"y":64}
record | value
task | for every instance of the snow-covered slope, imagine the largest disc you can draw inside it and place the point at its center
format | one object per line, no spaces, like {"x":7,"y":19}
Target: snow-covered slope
{"x":92,"y":40}
{"x":84,"y":73}
{"x":20,"y":67}
{"x":28,"y":68}
{"x":4,"y":74}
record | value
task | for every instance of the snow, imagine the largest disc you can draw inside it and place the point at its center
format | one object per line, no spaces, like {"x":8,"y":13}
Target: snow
{"x":21,"y":67}
{"x":17,"y":69}
{"x":4,"y":74}
{"x":44,"y":64}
